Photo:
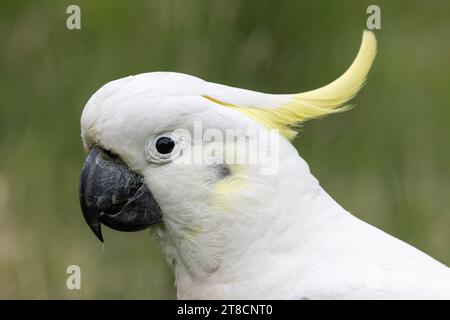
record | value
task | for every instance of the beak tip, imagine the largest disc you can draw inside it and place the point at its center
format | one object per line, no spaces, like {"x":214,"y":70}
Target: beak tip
{"x":100,"y":237}
{"x":97,"y":230}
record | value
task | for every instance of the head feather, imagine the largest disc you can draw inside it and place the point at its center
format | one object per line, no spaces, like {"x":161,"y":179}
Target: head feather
{"x":285,"y":112}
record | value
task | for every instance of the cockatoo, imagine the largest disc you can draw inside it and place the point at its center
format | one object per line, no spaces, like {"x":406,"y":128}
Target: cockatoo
{"x":229,"y":229}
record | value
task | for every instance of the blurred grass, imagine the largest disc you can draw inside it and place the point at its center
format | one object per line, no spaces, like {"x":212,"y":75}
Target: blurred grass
{"x":386,"y":161}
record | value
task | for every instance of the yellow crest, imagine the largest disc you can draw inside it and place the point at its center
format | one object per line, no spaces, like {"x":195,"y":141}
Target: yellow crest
{"x":288,"y":111}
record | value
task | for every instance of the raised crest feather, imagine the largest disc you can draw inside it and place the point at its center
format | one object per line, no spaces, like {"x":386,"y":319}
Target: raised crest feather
{"x":286,"y":111}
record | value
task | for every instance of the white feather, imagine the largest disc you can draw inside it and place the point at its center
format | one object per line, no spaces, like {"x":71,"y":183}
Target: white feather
{"x":279,"y":236}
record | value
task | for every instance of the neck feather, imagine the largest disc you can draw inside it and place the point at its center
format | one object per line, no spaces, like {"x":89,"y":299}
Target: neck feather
{"x":274,"y":220}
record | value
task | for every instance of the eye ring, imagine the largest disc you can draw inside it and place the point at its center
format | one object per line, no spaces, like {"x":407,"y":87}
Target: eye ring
{"x":164,"y":148}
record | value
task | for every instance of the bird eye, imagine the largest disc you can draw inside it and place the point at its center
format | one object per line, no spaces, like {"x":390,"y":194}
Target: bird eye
{"x":165,"y":145}
{"x":164,"y":148}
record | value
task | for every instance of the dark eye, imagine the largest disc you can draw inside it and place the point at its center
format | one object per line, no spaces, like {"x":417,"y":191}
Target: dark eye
{"x":165,"y":145}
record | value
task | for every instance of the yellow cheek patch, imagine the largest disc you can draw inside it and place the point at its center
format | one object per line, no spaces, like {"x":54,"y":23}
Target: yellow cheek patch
{"x":223,"y":193}
{"x":229,"y":185}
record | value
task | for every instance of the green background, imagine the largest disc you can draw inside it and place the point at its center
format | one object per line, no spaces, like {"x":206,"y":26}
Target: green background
{"x":386,"y":161}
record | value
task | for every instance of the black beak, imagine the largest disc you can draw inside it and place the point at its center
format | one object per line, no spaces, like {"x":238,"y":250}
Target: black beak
{"x":112,"y":194}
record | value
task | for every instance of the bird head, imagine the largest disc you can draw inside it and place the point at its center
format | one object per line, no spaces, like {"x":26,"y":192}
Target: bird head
{"x":201,"y":164}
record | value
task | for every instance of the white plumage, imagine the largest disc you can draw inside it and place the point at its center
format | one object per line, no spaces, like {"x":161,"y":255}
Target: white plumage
{"x":248,"y":235}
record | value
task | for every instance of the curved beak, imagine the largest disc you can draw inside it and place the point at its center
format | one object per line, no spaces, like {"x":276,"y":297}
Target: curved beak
{"x":113,"y":195}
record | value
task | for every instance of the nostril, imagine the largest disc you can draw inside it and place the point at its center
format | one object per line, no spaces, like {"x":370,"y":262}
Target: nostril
{"x":107,"y":154}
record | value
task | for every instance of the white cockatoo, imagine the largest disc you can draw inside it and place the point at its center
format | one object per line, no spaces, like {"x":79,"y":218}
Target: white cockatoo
{"x":238,"y":229}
